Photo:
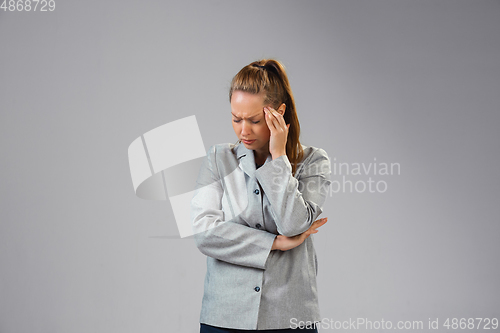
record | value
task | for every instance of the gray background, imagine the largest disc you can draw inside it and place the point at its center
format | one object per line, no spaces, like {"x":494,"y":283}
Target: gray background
{"x":409,"y":82}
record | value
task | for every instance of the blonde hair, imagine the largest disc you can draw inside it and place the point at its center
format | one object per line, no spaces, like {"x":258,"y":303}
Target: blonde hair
{"x":269,"y":76}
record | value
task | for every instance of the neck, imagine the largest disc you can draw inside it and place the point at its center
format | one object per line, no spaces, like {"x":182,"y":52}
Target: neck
{"x":261,"y":156}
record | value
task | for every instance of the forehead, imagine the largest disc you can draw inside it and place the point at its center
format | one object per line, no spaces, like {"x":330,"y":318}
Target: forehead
{"x":247,"y":105}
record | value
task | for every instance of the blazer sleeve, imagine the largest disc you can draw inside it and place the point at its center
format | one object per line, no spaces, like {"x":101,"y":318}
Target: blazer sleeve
{"x":296,"y":203}
{"x":222,"y":239}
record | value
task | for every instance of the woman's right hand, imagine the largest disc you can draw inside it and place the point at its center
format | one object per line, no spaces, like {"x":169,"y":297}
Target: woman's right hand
{"x":284,"y":243}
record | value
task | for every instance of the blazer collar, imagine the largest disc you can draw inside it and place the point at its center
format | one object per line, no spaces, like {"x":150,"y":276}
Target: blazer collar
{"x":246,"y":159}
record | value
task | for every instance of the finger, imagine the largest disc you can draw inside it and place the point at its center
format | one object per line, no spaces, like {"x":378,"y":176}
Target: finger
{"x":309,"y":233}
{"x":321,"y":221}
{"x":314,"y":230}
{"x":272,"y":115}
{"x":270,"y":119}
{"x":318,"y":223}
{"x":279,"y":118}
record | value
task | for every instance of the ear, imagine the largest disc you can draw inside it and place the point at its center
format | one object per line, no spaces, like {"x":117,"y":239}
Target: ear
{"x":282,"y":109}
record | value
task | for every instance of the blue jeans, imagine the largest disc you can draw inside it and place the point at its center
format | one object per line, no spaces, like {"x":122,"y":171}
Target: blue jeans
{"x":212,"y":329}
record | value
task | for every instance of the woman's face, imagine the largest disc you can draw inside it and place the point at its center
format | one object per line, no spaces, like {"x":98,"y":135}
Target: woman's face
{"x":249,"y":121}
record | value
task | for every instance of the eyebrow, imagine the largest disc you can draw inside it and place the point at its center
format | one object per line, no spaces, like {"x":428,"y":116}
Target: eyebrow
{"x":252,"y":117}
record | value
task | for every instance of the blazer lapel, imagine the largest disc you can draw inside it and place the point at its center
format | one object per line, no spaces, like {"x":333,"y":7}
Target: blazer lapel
{"x":246,"y":159}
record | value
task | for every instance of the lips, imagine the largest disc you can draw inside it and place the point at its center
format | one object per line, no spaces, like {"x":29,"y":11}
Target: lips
{"x":247,"y":141}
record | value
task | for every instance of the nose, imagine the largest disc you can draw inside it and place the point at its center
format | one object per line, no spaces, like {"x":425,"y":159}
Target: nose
{"x":245,"y":129}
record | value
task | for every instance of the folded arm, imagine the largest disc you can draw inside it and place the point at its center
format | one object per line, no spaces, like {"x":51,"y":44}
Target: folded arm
{"x":296,"y":203}
{"x":224,"y":240}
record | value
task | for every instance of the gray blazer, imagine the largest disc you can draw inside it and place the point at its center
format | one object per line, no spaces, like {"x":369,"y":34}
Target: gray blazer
{"x":236,"y":212}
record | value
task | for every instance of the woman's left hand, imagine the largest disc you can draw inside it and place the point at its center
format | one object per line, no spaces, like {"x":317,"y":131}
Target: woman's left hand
{"x":284,"y":243}
{"x":279,"y":132}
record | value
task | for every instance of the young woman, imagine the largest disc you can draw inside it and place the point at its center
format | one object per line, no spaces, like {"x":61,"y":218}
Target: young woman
{"x":254,"y":208}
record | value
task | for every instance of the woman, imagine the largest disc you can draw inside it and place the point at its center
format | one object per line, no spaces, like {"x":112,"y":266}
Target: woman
{"x":255,"y":206}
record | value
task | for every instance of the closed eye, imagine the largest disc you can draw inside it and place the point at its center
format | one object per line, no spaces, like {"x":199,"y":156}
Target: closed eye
{"x":256,"y":122}
{"x":253,"y":122}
